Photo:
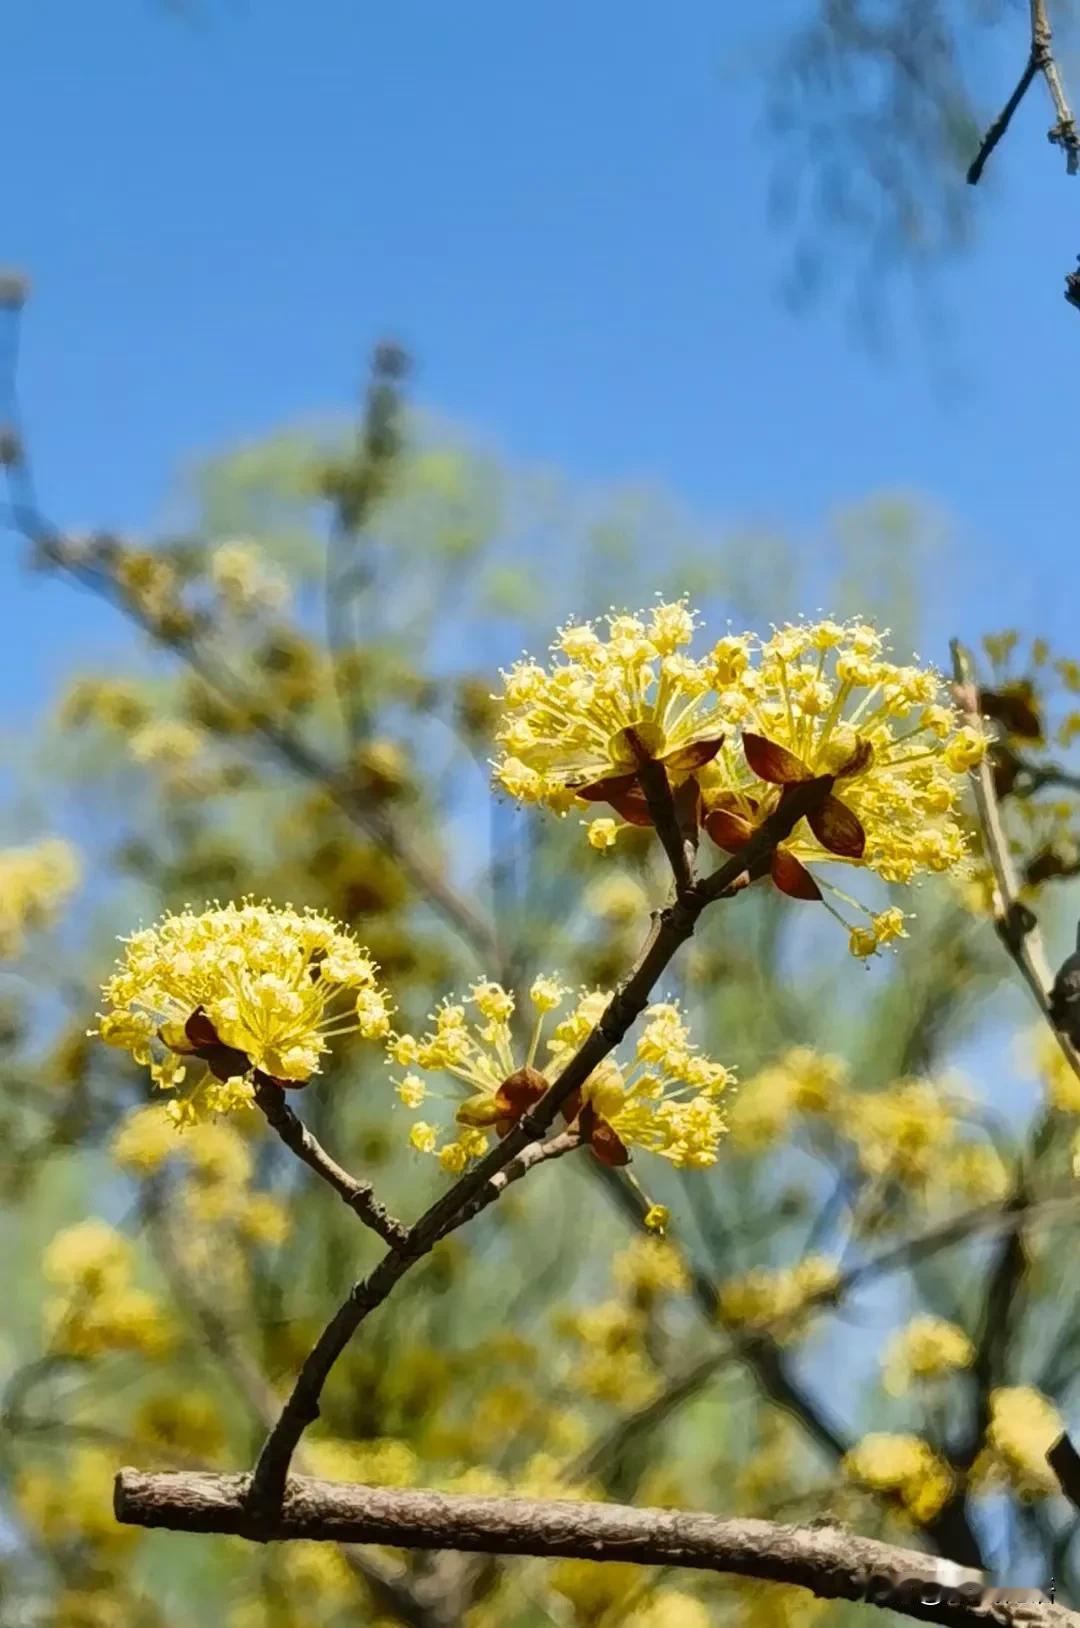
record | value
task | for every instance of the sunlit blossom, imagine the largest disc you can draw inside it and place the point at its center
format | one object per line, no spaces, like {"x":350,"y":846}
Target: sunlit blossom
{"x":663,"y":1097}
{"x":215,"y":999}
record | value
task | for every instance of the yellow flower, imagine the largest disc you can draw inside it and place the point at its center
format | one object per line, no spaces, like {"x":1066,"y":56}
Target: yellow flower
{"x":146,"y":1138}
{"x":1024,"y":1425}
{"x":601,"y":833}
{"x":168,"y":743}
{"x":90,"y":1258}
{"x":780,"y":1300}
{"x":976,"y":1171}
{"x":239,"y":989}
{"x":928,"y":1348}
{"x":664,"y":1099}
{"x":901,"y":1132}
{"x":244,"y":581}
{"x":904,"y":1467}
{"x":823,"y":699}
{"x":34,"y":883}
{"x":604,"y":706}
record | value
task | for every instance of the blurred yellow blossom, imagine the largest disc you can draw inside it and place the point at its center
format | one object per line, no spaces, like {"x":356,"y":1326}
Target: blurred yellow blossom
{"x":927,"y":1348}
{"x":900,"y":1132}
{"x":98,"y":1309}
{"x":35,"y":882}
{"x":166,"y":743}
{"x":779,"y":1300}
{"x":905,"y":1467}
{"x":244,"y":581}
{"x":1024,"y":1425}
{"x":237,"y":990}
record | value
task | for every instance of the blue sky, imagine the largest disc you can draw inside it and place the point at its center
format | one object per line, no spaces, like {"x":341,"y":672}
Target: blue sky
{"x":561,"y":210}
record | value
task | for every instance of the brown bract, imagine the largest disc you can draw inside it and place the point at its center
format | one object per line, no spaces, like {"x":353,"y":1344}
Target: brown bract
{"x":224,"y":1062}
{"x":523,"y":1089}
{"x":838,"y":830}
{"x":625,"y":792}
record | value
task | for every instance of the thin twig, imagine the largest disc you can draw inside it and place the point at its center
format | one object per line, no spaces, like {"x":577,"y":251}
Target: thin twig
{"x":1001,"y":123}
{"x":670,"y":930}
{"x":358,"y":1195}
{"x":830,"y":1561}
{"x":1016,"y":927}
{"x":1041,"y":59}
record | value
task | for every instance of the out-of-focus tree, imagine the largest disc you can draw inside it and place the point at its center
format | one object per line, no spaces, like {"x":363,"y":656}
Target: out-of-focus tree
{"x":305,"y":713}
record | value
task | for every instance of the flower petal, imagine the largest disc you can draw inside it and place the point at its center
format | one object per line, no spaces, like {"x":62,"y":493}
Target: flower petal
{"x":772,"y":762}
{"x":793,"y":878}
{"x":838,"y":829}
{"x":687,"y":758}
{"x":728,"y":830}
{"x":632,"y":805}
{"x":609,"y":1148}
{"x":519,"y":1091}
{"x":600,"y":791}
{"x":200,"y":1030}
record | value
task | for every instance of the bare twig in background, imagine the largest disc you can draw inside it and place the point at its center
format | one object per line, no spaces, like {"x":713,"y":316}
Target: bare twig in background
{"x":1041,"y":59}
{"x":1017,"y":928}
{"x":830,"y":1561}
{"x":358,"y":1195}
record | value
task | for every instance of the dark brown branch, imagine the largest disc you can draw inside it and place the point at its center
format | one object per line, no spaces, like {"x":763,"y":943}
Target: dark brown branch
{"x":657,"y":788}
{"x":1064,"y":1460}
{"x":1041,"y":59}
{"x":671,"y":929}
{"x":1001,"y":123}
{"x":831,"y":1562}
{"x":358,"y":1195}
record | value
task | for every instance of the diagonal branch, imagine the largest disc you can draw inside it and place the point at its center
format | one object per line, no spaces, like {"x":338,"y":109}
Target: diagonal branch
{"x":1041,"y":59}
{"x":1016,"y":926}
{"x":830,"y":1561}
{"x":671,"y":929}
{"x":358,"y":1195}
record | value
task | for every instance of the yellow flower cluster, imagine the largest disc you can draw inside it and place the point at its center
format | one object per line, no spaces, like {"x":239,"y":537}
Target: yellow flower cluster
{"x":98,"y":1309}
{"x":928,"y":1348}
{"x":612,"y":1365}
{"x":1024,"y":1425}
{"x":235,"y":990}
{"x":166,"y":743}
{"x":664,"y":1099}
{"x":35,"y":881}
{"x":604,"y":703}
{"x":780,"y":1301}
{"x":905,"y":1468}
{"x":244,"y":581}
{"x":901,"y":1132}
{"x":802,"y":1081}
{"x":739,"y":726}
